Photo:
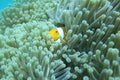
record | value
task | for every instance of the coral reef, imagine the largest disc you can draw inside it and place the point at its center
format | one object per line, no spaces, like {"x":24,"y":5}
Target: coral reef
{"x":91,"y":50}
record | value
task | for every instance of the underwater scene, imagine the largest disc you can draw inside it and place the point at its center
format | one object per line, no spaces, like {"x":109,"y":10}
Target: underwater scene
{"x":59,"y":39}
{"x":5,"y":3}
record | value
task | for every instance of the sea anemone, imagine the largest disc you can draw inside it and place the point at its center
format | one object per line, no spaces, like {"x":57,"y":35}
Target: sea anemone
{"x":91,"y":50}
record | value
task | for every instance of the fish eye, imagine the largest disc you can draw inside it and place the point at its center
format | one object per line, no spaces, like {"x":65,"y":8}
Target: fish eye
{"x":56,"y":31}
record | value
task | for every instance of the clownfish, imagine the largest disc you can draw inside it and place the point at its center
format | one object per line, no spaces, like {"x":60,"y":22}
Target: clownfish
{"x":58,"y":33}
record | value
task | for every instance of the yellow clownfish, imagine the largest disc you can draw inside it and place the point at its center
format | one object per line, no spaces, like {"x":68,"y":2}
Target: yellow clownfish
{"x":57,"y":33}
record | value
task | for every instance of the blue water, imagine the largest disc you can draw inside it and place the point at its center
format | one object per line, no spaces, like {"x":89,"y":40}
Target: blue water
{"x":5,"y":3}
